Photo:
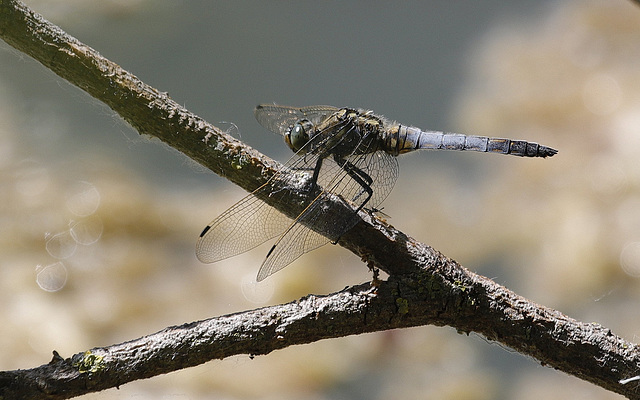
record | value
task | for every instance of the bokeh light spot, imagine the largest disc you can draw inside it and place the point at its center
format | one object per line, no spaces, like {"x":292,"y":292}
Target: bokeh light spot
{"x":52,"y":277}
{"x":85,"y":199}
{"x":630,"y":259}
{"x":87,"y":230}
{"x":61,"y":245}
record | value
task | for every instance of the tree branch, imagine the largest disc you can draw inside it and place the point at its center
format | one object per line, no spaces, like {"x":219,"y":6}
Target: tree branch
{"x":424,"y":287}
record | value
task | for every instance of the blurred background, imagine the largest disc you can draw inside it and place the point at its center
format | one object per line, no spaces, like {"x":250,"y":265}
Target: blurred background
{"x":99,"y":224}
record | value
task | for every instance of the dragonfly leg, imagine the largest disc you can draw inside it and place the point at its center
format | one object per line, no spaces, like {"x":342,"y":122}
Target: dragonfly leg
{"x":361,"y":177}
{"x":316,"y":173}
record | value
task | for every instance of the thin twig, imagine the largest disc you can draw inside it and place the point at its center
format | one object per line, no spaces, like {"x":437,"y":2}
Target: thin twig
{"x":424,"y":287}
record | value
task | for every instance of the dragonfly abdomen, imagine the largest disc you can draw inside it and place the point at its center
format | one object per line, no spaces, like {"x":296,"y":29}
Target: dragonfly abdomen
{"x":410,"y":138}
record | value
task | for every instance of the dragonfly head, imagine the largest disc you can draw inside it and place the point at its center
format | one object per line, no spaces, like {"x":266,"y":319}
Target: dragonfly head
{"x":298,"y":135}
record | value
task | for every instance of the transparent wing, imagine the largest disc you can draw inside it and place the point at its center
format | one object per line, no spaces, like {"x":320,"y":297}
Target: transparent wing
{"x":247,"y":224}
{"x":296,"y":241}
{"x":381,"y":167}
{"x":278,"y":119}
{"x":251,"y":222}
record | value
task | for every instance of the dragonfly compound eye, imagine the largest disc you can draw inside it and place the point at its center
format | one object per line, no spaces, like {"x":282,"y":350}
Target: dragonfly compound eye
{"x":297,"y":136}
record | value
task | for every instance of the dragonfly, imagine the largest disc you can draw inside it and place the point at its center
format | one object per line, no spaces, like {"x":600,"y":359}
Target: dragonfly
{"x":346,"y":152}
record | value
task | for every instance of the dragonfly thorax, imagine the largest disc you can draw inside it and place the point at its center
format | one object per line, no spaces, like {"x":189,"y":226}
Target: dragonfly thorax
{"x":347,"y":132}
